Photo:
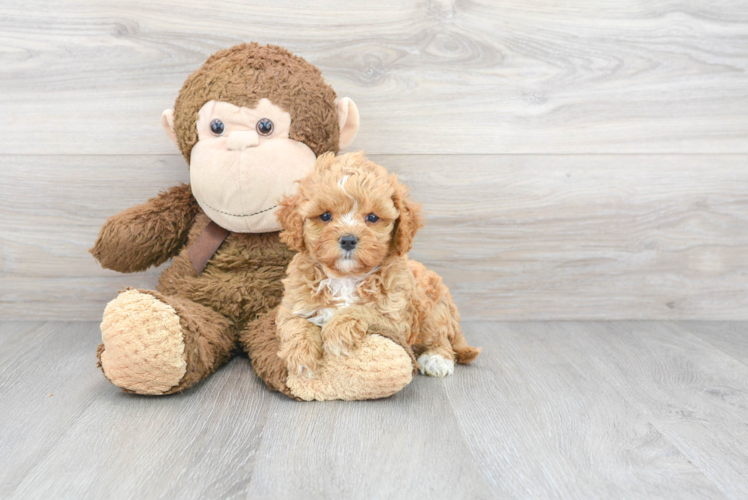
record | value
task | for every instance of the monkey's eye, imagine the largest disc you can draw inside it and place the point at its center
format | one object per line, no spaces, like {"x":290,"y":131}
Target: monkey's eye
{"x":264,"y":127}
{"x":371,"y":218}
{"x":326,"y":217}
{"x":217,"y":127}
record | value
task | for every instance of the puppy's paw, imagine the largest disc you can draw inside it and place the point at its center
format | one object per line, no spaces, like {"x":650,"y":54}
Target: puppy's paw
{"x":303,"y":357}
{"x":343,"y":334}
{"x":435,"y":365}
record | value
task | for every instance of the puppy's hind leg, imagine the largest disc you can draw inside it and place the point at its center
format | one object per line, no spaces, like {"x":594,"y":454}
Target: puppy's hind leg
{"x":441,"y":340}
{"x":436,"y":358}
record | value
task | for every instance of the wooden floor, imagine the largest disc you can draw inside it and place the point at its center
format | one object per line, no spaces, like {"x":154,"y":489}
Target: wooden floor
{"x":550,"y":410}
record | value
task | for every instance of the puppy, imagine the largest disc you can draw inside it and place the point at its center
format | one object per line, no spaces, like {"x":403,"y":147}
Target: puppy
{"x":353,"y":225}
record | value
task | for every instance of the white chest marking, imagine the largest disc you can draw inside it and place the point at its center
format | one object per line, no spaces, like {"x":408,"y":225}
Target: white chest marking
{"x":343,"y":293}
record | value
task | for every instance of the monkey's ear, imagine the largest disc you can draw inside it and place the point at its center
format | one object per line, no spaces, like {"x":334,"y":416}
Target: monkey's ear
{"x":167,"y":121}
{"x":347,"y":120}
{"x":292,"y":222}
{"x":408,"y":222}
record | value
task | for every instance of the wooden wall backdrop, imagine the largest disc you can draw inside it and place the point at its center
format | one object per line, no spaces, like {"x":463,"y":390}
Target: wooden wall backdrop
{"x":583,"y":159}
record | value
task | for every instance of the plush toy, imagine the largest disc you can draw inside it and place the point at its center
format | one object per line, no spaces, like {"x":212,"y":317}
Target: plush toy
{"x":250,"y":122}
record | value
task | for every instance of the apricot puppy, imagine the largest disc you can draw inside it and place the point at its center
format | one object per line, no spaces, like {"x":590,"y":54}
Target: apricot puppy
{"x":353,"y":225}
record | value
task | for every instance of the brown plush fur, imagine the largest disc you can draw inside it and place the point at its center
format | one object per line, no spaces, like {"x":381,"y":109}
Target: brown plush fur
{"x":390,"y":292}
{"x":242,"y":75}
{"x":226,"y":306}
{"x":148,"y":234}
{"x":241,"y":283}
{"x":260,"y":340}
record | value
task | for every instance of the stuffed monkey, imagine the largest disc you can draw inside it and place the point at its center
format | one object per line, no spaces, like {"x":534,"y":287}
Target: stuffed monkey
{"x":250,"y":122}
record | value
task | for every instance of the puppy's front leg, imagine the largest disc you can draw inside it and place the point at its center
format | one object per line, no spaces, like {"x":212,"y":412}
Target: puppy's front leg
{"x":300,"y":344}
{"x":345,"y":331}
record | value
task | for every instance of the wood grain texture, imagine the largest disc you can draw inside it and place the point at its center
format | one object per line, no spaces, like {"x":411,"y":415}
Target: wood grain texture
{"x":586,"y":237}
{"x":515,"y":237}
{"x":403,"y":447}
{"x":87,"y":77}
{"x":541,"y":426}
{"x":731,"y":337}
{"x":549,"y":410}
{"x":48,"y":378}
{"x":89,"y":440}
{"x":695,"y":395}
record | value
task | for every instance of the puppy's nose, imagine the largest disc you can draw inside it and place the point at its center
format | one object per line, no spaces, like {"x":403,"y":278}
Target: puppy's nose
{"x":242,"y":139}
{"x":348,"y":242}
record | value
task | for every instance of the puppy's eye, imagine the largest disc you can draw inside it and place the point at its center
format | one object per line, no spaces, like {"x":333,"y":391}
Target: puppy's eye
{"x":371,"y":218}
{"x":264,"y":127}
{"x":217,"y":127}
{"x":326,"y":217}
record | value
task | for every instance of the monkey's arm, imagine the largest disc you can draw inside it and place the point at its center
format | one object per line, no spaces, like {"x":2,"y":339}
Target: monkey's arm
{"x":147,"y":235}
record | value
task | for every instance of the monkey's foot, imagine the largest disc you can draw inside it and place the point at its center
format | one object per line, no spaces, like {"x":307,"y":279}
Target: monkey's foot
{"x":377,"y":369}
{"x":143,"y":344}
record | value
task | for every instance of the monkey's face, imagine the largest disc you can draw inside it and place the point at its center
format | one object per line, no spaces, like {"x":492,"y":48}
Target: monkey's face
{"x":244,"y":162}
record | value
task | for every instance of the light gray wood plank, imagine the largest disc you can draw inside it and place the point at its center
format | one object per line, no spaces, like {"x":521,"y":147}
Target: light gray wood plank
{"x":407,"y":446}
{"x":429,"y":77}
{"x":694,"y":394}
{"x":12,"y":332}
{"x":48,"y":377}
{"x":194,"y":445}
{"x":541,"y":427}
{"x":515,"y":237}
{"x":231,"y":437}
{"x":585,"y":237}
{"x":731,"y":337}
{"x":549,"y":410}
{"x":54,"y":215}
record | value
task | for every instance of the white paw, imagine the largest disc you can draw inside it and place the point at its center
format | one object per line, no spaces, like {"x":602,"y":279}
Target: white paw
{"x":435,"y":365}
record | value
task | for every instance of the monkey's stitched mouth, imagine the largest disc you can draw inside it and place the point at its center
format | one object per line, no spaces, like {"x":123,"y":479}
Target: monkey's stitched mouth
{"x":242,"y":215}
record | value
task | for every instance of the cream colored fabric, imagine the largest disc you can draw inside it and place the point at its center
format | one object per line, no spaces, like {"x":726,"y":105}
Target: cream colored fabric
{"x":239,"y":176}
{"x":143,"y":344}
{"x":348,"y":120}
{"x":167,"y":121}
{"x":378,"y":369}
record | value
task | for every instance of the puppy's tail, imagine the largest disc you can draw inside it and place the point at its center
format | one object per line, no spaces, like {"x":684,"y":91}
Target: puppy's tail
{"x":465,"y":353}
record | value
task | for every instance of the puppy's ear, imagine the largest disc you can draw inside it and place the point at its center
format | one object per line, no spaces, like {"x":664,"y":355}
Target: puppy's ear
{"x":408,"y":223}
{"x":292,"y":222}
{"x":324,"y":161}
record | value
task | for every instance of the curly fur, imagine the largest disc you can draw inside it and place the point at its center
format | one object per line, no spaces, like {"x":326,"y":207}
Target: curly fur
{"x":333,"y":297}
